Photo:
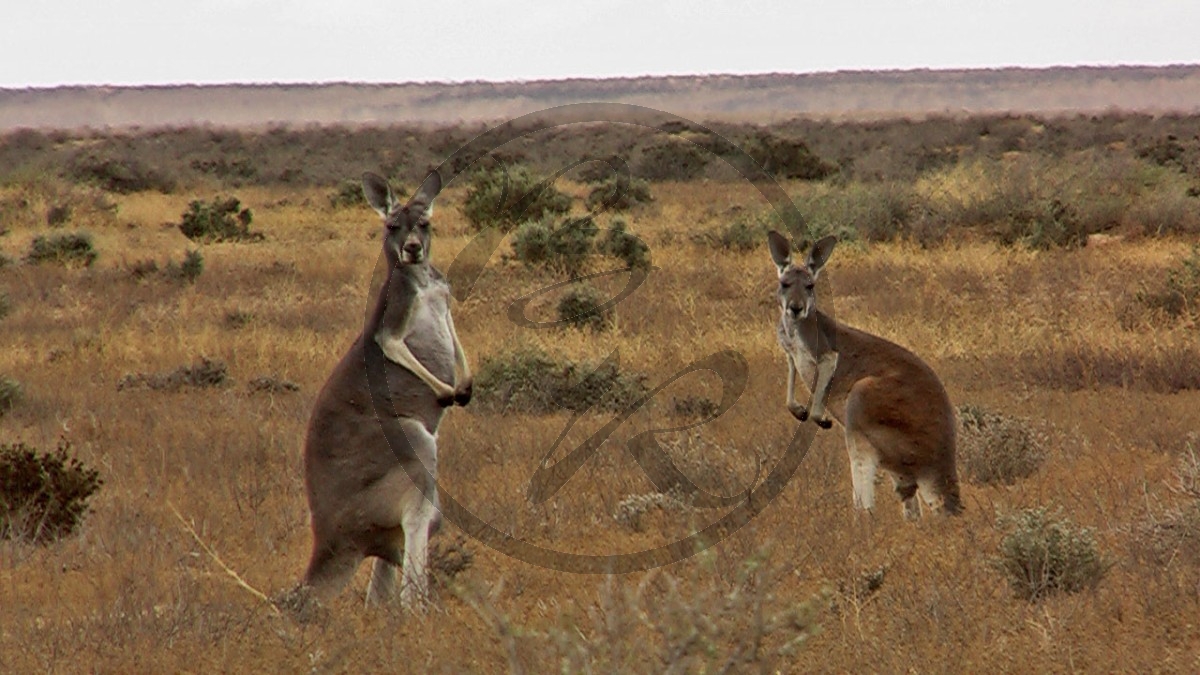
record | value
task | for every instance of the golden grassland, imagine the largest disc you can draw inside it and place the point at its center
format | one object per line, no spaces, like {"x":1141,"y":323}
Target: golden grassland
{"x":134,"y":592}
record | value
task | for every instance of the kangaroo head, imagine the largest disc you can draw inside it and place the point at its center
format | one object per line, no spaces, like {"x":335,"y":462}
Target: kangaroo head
{"x":407,"y":238}
{"x":797,"y":283}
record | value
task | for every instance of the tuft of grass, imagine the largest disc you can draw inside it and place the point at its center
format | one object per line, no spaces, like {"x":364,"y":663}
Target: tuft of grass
{"x":1178,"y":294}
{"x":580,"y":307}
{"x":43,"y":496}
{"x":10,"y":394}
{"x":997,"y":449}
{"x":220,"y":219}
{"x":202,"y":374}
{"x":5,"y":304}
{"x":699,"y":407}
{"x":63,"y":249}
{"x":527,"y":379}
{"x":668,"y":624}
{"x":1044,"y":553}
{"x":631,"y":510}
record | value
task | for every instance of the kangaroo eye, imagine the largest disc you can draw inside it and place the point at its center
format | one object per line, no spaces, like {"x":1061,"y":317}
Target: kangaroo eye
{"x":809,"y":287}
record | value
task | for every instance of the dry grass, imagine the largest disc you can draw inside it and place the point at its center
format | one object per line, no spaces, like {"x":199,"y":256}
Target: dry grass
{"x":1032,"y":333}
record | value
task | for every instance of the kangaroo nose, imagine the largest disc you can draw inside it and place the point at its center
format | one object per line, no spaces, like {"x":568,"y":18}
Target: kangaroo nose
{"x":412,"y":247}
{"x":794,"y":310}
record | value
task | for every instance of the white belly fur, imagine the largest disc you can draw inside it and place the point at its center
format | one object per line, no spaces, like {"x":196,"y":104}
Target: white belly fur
{"x":429,"y":336}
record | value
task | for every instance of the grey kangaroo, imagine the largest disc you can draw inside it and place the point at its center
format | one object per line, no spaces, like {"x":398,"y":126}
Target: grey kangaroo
{"x":893,"y":407}
{"x":369,"y":498}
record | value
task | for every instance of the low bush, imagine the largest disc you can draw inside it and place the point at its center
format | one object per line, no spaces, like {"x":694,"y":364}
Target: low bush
{"x":1044,"y":553}
{"x":618,"y":243}
{"x":202,"y":374}
{"x":5,"y":304}
{"x":619,"y":193}
{"x":505,"y":197}
{"x":43,"y":496}
{"x":529,"y":380}
{"x":672,"y":159}
{"x":580,"y":307}
{"x":997,"y":449}
{"x":348,"y":194}
{"x":221,"y":219}
{"x":124,"y":175}
{"x":63,"y":249}
{"x":560,"y":247}
{"x":789,"y":158}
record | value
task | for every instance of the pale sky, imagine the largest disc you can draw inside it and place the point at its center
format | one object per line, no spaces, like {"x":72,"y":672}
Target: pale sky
{"x":132,"y":42}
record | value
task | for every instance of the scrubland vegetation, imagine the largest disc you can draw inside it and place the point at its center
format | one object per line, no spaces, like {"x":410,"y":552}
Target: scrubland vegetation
{"x":170,"y":354}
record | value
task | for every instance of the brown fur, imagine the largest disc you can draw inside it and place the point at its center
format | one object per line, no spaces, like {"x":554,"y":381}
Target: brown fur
{"x":894,"y":410}
{"x":370,"y":455}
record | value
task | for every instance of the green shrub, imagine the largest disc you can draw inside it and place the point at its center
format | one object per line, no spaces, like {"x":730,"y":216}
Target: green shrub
{"x":187,"y":271}
{"x":618,"y":243}
{"x":562,"y":247}
{"x":10,"y":394}
{"x":580,"y":307}
{"x":528,"y":380}
{"x":672,"y":159}
{"x":63,"y":249}
{"x":43,"y":497}
{"x":504,"y":198}
{"x":237,"y":171}
{"x":221,"y":219}
{"x":1046,"y":553}
{"x":787,"y":157}
{"x":619,"y":193}
{"x":997,"y":449}
{"x":349,"y":193}
{"x":119,"y":175}
{"x":873,"y":212}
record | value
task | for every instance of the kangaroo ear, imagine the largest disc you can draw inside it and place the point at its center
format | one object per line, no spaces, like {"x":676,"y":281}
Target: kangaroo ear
{"x":429,"y":189}
{"x":781,"y":250}
{"x":378,"y":193}
{"x":819,"y":254}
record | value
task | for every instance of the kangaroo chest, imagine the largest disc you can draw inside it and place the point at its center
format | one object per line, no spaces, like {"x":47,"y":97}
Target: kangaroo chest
{"x":796,"y":347}
{"x":428,"y":334}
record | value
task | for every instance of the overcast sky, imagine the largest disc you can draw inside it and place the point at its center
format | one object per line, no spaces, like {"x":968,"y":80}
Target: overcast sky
{"x":129,"y":42}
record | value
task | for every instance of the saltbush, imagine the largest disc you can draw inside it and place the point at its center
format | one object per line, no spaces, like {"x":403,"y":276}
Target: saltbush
{"x":619,"y":193}
{"x":43,"y":496}
{"x":63,"y":249}
{"x":997,"y":449}
{"x":221,"y":219}
{"x":618,"y":243}
{"x":1044,"y":553}
{"x":527,"y":379}
{"x":560,"y":247}
{"x":505,"y":197}
{"x":580,"y":307}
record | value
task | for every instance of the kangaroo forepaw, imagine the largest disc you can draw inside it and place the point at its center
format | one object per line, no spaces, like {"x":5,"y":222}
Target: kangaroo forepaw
{"x":798,"y":411}
{"x":446,"y":400}
{"x":463,"y":395}
{"x":824,"y":423}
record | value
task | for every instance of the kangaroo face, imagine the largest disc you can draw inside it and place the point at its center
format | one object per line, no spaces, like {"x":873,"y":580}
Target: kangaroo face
{"x":797,"y":283}
{"x":796,"y":292}
{"x":407,"y":237}
{"x":407,"y":227}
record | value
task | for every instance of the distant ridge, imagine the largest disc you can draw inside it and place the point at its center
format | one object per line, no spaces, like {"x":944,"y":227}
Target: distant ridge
{"x":759,"y":98}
